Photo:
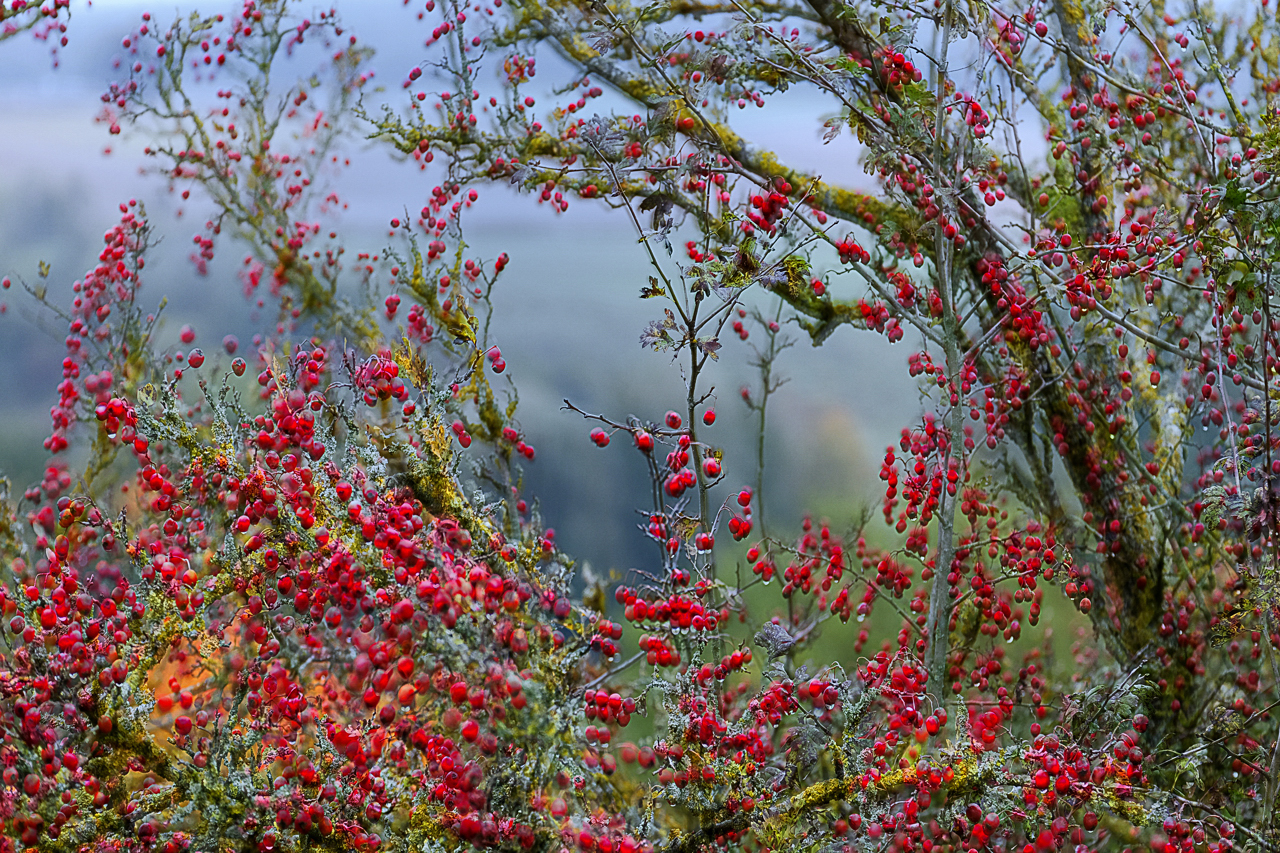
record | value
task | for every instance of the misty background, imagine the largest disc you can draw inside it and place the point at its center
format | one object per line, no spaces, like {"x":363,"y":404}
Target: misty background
{"x":567,"y":312}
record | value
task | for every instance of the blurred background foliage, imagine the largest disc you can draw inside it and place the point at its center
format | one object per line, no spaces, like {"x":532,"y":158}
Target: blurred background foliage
{"x":567,"y":314}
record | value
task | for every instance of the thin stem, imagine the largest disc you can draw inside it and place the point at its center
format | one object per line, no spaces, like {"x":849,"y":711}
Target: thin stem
{"x":766,"y":376}
{"x":1269,"y":508}
{"x":605,"y":676}
{"x":1273,"y":781}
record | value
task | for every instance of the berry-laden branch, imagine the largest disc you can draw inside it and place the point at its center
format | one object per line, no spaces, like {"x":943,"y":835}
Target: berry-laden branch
{"x":322,"y":610}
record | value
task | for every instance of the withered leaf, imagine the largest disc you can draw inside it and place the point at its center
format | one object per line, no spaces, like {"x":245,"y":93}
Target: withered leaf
{"x":602,"y":43}
{"x":658,"y":333}
{"x":774,"y":639}
{"x":652,"y":289}
{"x":709,"y":346}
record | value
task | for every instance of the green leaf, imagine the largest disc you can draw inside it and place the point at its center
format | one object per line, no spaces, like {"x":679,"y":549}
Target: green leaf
{"x":1234,"y":196}
{"x":922,"y":96}
{"x":850,"y":67}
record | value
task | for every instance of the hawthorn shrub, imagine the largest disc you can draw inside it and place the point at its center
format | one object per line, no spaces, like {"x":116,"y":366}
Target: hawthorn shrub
{"x":318,"y":613}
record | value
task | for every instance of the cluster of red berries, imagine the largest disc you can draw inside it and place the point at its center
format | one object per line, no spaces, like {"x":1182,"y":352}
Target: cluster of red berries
{"x":774,"y":702}
{"x":679,"y":481}
{"x":771,"y":207}
{"x":1022,"y":318}
{"x":605,"y":638}
{"x":379,"y":379}
{"x":677,"y":611}
{"x":109,"y":287}
{"x":419,"y":325}
{"x":850,"y":251}
{"x":923,"y":483}
{"x":697,"y":255}
{"x":813,"y":571}
{"x":897,"y":69}
{"x":740,"y":526}
{"x":875,"y":315}
{"x":658,"y":650}
{"x":765,"y":569}
{"x":730,"y":663}
{"x":608,"y":708}
{"x":975,"y":116}
{"x":118,"y":418}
